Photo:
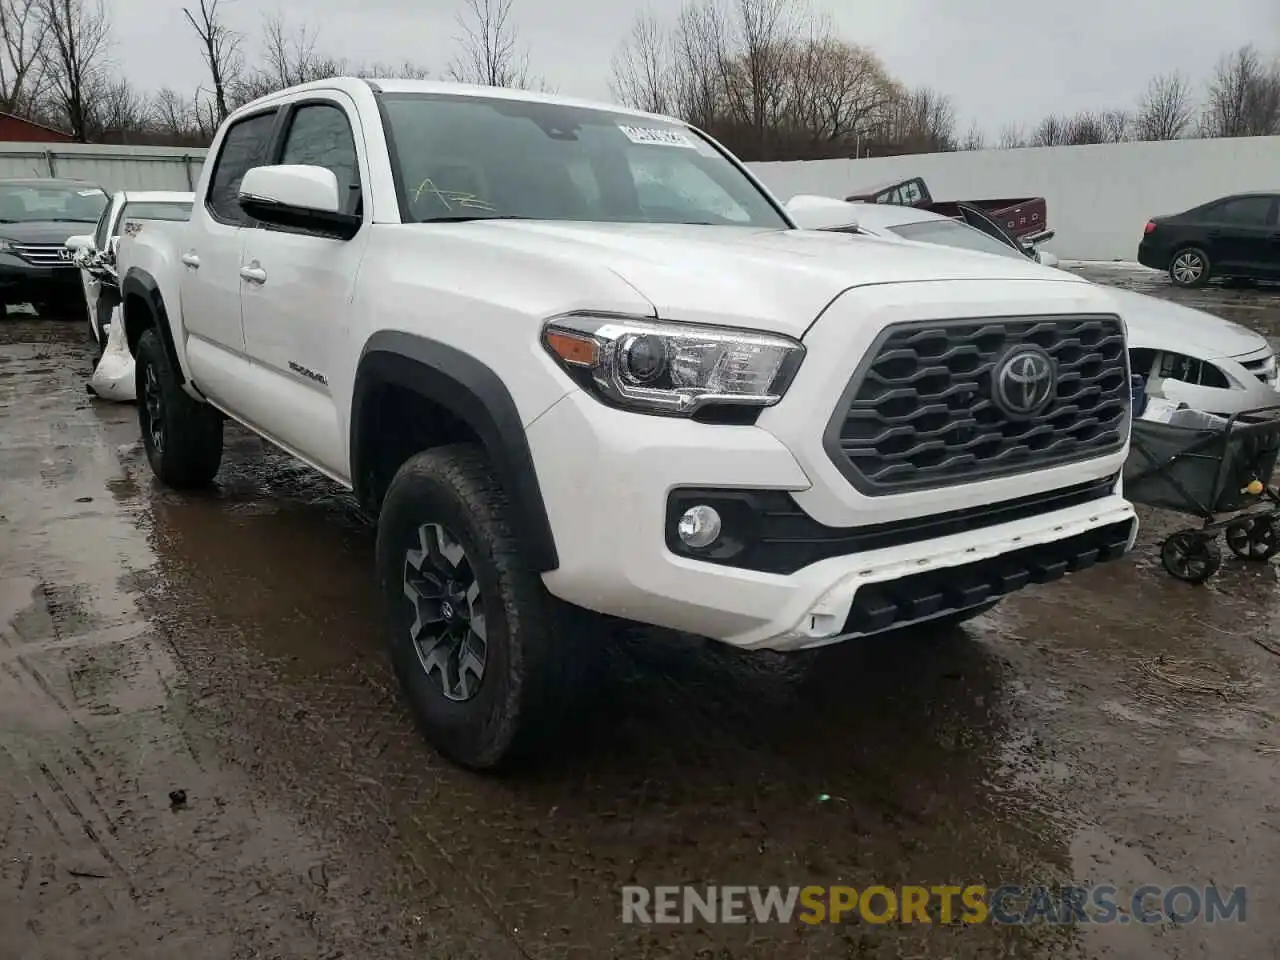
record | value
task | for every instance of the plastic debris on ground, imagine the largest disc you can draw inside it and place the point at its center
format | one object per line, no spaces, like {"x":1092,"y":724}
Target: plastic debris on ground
{"x":113,"y":378}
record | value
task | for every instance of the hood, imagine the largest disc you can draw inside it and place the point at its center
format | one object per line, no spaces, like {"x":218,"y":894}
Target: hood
{"x":1164,"y":325}
{"x":44,"y":231}
{"x":779,"y":280}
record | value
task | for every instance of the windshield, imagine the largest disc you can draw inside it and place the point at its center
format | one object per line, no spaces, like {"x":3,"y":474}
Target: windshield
{"x":153,"y":210}
{"x":25,"y":202}
{"x":463,"y":157}
{"x":953,"y":233}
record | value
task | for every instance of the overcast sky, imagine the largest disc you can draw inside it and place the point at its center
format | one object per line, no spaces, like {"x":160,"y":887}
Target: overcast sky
{"x":1001,"y":60}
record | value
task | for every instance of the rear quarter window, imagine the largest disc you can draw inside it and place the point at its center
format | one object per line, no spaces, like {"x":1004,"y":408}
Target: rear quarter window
{"x":153,"y":210}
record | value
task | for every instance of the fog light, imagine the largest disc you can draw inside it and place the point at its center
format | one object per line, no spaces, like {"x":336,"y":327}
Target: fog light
{"x":699,"y":526}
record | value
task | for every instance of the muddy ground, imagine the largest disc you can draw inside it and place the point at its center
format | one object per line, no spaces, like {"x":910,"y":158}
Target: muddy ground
{"x":226,"y":646}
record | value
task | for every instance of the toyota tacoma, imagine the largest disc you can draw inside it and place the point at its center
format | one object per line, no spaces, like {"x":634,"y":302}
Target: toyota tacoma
{"x":575,"y":358}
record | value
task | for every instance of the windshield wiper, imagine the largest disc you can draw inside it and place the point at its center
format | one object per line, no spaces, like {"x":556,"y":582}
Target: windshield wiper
{"x":463,"y":218}
{"x":68,"y":220}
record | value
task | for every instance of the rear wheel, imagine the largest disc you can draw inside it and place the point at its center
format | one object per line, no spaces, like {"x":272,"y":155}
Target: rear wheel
{"x":1257,"y":539}
{"x":182,"y":437}
{"x":1189,"y":267}
{"x":487,"y":658}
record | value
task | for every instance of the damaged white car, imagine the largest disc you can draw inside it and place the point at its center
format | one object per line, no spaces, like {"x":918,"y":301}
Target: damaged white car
{"x":95,"y":255}
{"x":1185,"y":355}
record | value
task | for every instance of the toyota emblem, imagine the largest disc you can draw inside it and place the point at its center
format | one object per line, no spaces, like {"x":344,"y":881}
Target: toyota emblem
{"x":1024,"y":381}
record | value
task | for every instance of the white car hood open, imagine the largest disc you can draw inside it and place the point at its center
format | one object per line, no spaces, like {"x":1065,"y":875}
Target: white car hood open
{"x":1161,"y":324}
{"x":777,"y":279}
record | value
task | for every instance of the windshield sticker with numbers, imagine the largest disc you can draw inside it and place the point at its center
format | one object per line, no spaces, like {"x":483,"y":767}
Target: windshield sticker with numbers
{"x":657,"y":136}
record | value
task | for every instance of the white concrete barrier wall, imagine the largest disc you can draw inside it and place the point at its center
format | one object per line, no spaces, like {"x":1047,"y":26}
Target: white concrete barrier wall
{"x":113,"y":167}
{"x":1099,"y":196}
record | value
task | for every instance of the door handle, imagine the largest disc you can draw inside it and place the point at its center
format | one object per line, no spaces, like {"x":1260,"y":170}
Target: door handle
{"x":253,"y":273}
{"x":191,"y":260}
{"x":1214,"y":233}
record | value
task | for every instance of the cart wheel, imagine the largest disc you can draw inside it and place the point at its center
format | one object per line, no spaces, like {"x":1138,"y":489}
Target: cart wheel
{"x":1189,"y":556}
{"x":1256,"y":539}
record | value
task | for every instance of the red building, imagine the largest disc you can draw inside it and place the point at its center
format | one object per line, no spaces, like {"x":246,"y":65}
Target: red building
{"x":19,"y":130}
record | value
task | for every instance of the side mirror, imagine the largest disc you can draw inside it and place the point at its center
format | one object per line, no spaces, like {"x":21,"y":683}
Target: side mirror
{"x":810,"y":212}
{"x":1046,"y":258}
{"x":299,"y":197}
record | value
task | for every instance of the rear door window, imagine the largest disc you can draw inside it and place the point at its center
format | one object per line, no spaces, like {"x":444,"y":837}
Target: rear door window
{"x":1244,"y":211}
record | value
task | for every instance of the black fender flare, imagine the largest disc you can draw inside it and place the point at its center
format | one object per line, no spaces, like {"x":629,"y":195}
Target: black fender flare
{"x":476,"y":395}
{"x":141,"y":284}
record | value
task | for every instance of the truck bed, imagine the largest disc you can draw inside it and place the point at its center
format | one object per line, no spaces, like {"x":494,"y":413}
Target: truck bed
{"x":1024,"y":217}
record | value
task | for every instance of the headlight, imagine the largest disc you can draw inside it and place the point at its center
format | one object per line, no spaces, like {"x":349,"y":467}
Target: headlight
{"x":655,"y":366}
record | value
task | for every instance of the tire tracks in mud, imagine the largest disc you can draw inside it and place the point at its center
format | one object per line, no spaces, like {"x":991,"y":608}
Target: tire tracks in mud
{"x":99,"y":729}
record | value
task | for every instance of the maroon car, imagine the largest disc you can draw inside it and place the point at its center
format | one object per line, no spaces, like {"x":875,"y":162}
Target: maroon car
{"x":1027,"y":218}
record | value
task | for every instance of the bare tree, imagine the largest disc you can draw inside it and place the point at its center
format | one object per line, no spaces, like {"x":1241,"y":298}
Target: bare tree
{"x":1117,"y":126}
{"x":172,"y":113}
{"x":220,"y":47}
{"x":642,"y":75}
{"x":920,"y":121}
{"x":975,"y":139}
{"x":288,"y":56}
{"x":1012,"y":137}
{"x":1244,"y":97}
{"x":1085,"y":127}
{"x":120,"y":112}
{"x":1050,"y":132}
{"x":1165,"y":112}
{"x":490,"y":53}
{"x":752,"y":65}
{"x":698,"y":50}
{"x":79,"y":35}
{"x":833,"y":94}
{"x":408,"y":70}
{"x":23,"y":32}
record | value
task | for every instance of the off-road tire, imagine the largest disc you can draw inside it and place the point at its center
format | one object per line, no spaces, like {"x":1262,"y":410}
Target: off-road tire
{"x":1206,"y":267}
{"x":190,"y":448}
{"x":538,"y":650}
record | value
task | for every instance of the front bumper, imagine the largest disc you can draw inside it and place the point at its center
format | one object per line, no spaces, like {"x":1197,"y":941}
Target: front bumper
{"x":606,"y":476}
{"x":18,"y":277}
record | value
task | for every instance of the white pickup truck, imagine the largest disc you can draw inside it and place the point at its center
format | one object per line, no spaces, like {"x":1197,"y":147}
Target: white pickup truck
{"x":576,"y":358}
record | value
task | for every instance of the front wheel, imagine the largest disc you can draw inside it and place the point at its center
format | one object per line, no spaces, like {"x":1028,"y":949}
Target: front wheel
{"x":1189,"y":267}
{"x":474,"y":636}
{"x":182,"y":437}
{"x":1190,"y":556}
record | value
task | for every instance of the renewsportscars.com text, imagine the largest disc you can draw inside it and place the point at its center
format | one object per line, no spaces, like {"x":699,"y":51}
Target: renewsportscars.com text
{"x":944,"y":904}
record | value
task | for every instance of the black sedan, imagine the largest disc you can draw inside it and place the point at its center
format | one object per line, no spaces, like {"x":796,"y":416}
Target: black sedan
{"x":1230,"y":237}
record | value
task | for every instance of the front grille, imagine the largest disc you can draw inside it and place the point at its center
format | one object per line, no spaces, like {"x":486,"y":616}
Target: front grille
{"x":919,"y":411}
{"x":44,"y":254}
